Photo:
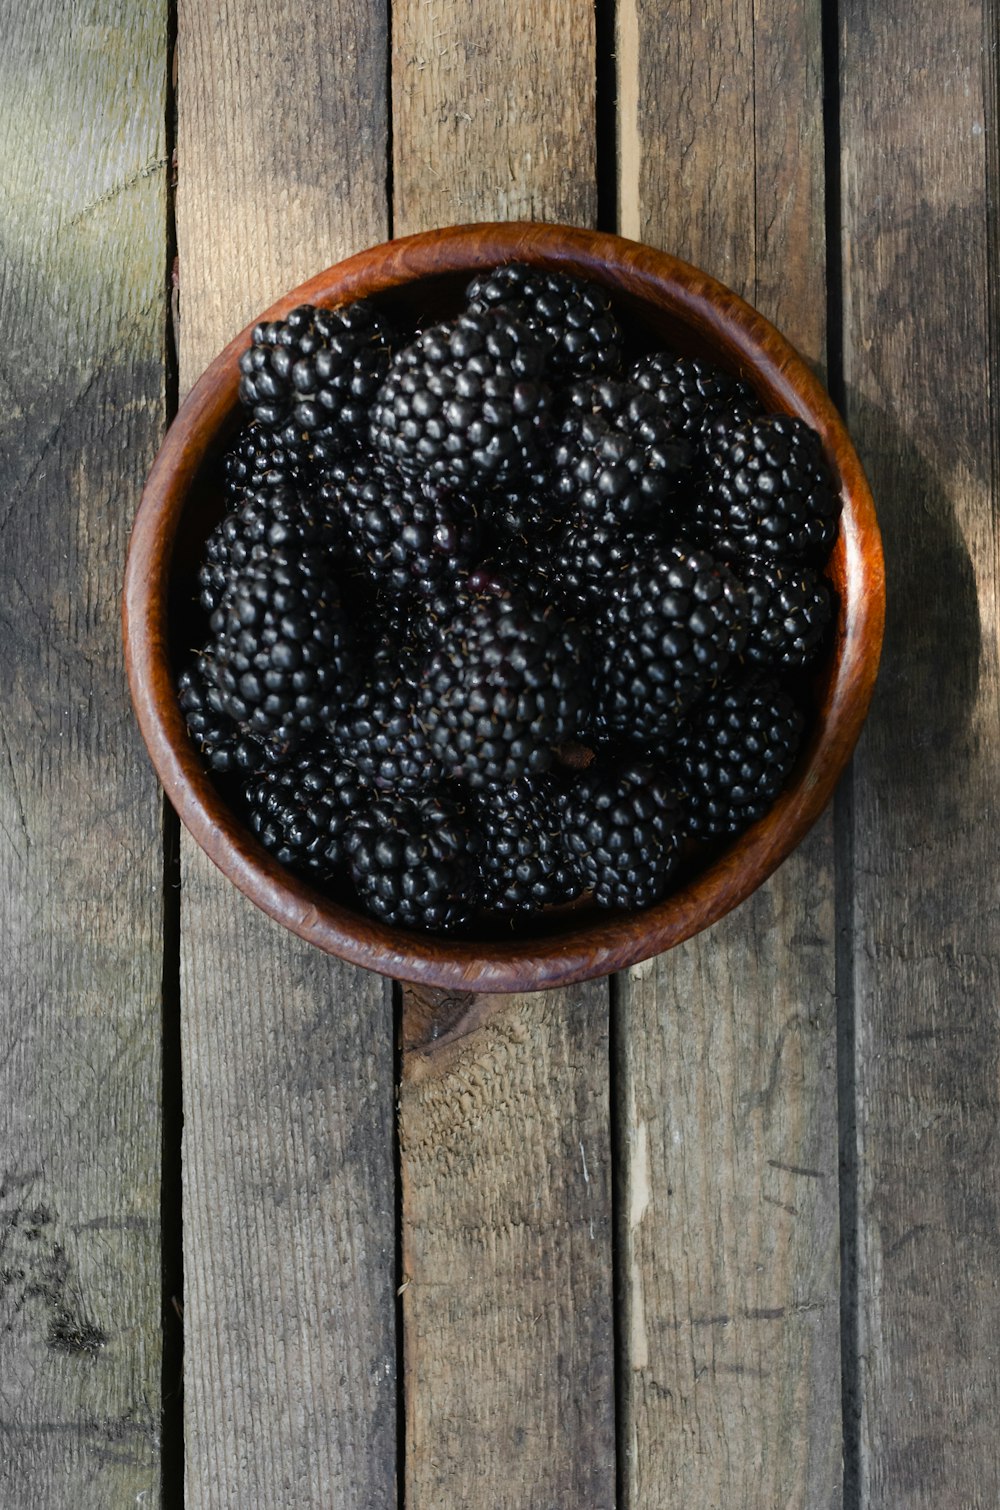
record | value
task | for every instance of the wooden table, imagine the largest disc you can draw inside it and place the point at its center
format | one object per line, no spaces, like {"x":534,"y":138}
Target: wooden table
{"x":719,"y":1232}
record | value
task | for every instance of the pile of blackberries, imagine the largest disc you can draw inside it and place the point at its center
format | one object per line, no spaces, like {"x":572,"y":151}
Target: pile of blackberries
{"x":507,"y":610}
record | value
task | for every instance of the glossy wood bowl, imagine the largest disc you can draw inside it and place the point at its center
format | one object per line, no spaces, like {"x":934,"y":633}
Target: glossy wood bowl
{"x":421,"y":277}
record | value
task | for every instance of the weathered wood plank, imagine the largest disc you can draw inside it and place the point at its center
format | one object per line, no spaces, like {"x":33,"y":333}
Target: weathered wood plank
{"x":288,"y":1056}
{"x":727,"y":1046}
{"x":919,"y":129}
{"x":493,"y":113}
{"x":507,"y":1251}
{"x":289,"y":1216}
{"x":505,"y":1133}
{"x":83,"y":293}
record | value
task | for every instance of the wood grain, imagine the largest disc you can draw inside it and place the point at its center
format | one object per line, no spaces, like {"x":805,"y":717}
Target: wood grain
{"x":726,"y":1046}
{"x":82,"y":406}
{"x":288,"y":1056}
{"x":505,"y":1136}
{"x":507,"y":1250}
{"x":493,"y":112}
{"x":919,"y":128}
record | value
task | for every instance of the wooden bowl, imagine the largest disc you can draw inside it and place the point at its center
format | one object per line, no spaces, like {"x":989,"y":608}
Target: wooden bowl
{"x":422,"y":276}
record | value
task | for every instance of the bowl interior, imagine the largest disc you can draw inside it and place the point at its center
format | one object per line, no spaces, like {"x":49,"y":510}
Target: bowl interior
{"x":661,"y":303}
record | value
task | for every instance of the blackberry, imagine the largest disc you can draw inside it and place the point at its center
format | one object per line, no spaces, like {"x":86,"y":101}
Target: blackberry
{"x":791,"y":608}
{"x":414,"y":861}
{"x":690,"y":391}
{"x":282,"y":653}
{"x":274,"y":517}
{"x":421,"y":619}
{"x":616,"y":455}
{"x":524,"y":510}
{"x":769,"y":492}
{"x":467,"y":401}
{"x":311,"y":377}
{"x":717,"y":424}
{"x":432,"y":615}
{"x":589,"y":557}
{"x":507,"y":683}
{"x":401,"y":535}
{"x":225,"y":749}
{"x":669,"y":631}
{"x":378,"y":732}
{"x":623,"y":827}
{"x":576,"y":317}
{"x":736,"y":756}
{"x":256,"y":460}
{"x":302,"y":811}
{"x":525,"y":862}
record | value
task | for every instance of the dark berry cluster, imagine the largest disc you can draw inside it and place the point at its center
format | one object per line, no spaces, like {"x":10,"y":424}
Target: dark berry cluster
{"x":506,"y":611}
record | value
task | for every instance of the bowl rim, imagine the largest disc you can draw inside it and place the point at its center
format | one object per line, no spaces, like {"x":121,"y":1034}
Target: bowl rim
{"x":599,"y":946}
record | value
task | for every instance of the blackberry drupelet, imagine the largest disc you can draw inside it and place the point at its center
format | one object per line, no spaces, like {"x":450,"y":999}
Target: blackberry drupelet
{"x":736,"y":755}
{"x":791,"y":608}
{"x":507,"y":683}
{"x":414,"y":861}
{"x":226,"y":750}
{"x":669,"y":632}
{"x":690,"y":391}
{"x":616,"y":456}
{"x":302,"y":811}
{"x":769,"y":493}
{"x":282,"y":653}
{"x":311,"y":377}
{"x":401,"y":535}
{"x":378,"y":731}
{"x":583,"y":335}
{"x":467,"y":401}
{"x":525,"y":862}
{"x":277,"y":517}
{"x":623,"y":828}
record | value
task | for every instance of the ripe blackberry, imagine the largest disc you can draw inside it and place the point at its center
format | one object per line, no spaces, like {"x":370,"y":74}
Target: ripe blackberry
{"x":421,"y":619}
{"x":623,"y":827}
{"x":378,"y":732}
{"x":525,"y":862}
{"x":507,"y":683}
{"x":282,"y":654}
{"x":256,"y":460}
{"x":302,"y":811}
{"x":583,"y":335}
{"x":277,"y":517}
{"x":790,"y":611}
{"x":524,"y":510}
{"x":690,"y":391}
{"x":616,"y":456}
{"x":401,"y":535}
{"x":736,"y":755}
{"x":769,"y":492}
{"x":718,"y":424}
{"x":311,"y":377}
{"x":670,"y":630}
{"x":225,"y":749}
{"x":414,"y":861}
{"x":467,"y":401}
{"x":589,"y":557}
{"x":426,"y":619}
